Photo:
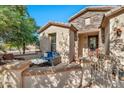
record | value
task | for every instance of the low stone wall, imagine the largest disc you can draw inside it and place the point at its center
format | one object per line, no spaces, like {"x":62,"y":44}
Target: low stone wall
{"x":60,"y":76}
{"x":86,"y":78}
{"x":19,"y":74}
{"x":29,"y":56}
{"x":11,"y":74}
{"x":87,"y":75}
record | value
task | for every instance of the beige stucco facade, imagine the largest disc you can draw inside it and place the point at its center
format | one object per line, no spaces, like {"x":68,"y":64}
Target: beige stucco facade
{"x":64,"y":42}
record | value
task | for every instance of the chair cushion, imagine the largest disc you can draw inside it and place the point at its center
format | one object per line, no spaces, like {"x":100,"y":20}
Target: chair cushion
{"x":45,"y":54}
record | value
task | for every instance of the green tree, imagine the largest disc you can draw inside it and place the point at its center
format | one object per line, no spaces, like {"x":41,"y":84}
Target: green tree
{"x":16,"y":26}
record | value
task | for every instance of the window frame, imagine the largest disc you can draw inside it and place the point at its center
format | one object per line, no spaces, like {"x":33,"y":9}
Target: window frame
{"x":97,"y":43}
{"x":53,"y":43}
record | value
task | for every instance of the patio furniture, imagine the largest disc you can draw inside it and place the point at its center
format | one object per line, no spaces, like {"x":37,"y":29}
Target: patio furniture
{"x":56,"y":60}
{"x":47,"y":59}
{"x":38,"y":61}
{"x":51,"y":57}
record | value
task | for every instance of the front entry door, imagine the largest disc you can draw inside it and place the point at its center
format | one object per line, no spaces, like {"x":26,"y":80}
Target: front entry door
{"x":93,"y":42}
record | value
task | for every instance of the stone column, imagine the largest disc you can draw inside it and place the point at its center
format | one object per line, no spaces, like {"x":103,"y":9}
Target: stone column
{"x":76,"y":48}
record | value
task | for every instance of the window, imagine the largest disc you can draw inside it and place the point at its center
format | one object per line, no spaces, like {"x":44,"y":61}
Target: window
{"x":87,"y":21}
{"x":93,"y":42}
{"x":53,"y":41}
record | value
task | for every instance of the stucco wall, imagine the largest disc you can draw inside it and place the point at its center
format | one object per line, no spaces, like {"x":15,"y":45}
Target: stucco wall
{"x":64,"y":42}
{"x":72,"y":46}
{"x":54,"y":77}
{"x":76,"y":48}
{"x":107,"y":40}
{"x":60,"y":80}
{"x":11,"y":74}
{"x":101,"y":43}
{"x":83,"y":43}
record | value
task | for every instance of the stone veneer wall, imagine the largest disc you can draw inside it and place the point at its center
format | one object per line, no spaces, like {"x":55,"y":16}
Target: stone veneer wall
{"x":117,"y":42}
{"x":95,"y":17}
{"x":79,"y":23}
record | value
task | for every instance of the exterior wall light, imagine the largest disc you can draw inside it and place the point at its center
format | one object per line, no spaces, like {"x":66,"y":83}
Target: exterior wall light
{"x":118,"y":31}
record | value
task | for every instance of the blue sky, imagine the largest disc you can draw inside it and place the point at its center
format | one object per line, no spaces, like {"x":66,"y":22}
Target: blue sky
{"x":45,"y":13}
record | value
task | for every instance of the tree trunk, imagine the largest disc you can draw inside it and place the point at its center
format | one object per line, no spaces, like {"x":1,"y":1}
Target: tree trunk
{"x":24,"y":48}
{"x":19,"y":49}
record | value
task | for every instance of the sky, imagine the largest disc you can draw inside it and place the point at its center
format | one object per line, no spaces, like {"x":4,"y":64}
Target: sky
{"x":60,"y":13}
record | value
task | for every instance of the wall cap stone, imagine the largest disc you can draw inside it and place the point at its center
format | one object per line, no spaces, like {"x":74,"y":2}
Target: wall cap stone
{"x":51,"y":70}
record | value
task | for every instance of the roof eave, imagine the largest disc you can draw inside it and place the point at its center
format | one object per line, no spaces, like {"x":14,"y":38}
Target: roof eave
{"x":111,"y":14}
{"x":69,"y":26}
{"x":88,"y":9}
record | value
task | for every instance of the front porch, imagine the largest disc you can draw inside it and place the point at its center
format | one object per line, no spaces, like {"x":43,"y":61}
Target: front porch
{"x":88,"y":43}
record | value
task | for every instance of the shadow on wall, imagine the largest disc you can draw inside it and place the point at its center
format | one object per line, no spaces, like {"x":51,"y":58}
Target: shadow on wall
{"x":107,"y":70}
{"x":117,"y":40}
{"x":54,"y":77}
{"x":64,"y":79}
{"x":8,"y":78}
{"x":64,"y":43}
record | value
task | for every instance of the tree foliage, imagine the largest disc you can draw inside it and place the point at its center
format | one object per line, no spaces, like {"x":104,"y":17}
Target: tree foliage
{"x":16,"y":26}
